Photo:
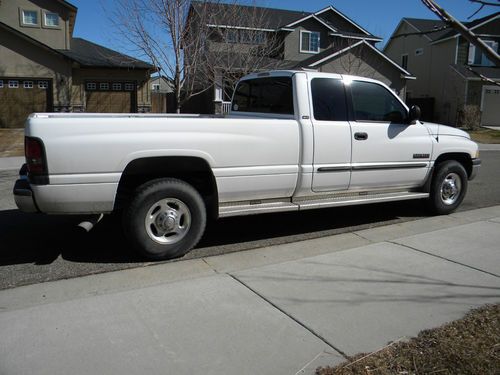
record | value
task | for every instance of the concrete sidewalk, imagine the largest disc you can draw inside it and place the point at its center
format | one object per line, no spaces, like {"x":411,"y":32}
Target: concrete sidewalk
{"x":279,"y":310}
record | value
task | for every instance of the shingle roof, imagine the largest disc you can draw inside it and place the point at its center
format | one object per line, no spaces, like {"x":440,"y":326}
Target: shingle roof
{"x":338,"y":50}
{"x":93,"y":55}
{"x":266,"y":17}
{"x":487,"y":71}
{"x":428,"y":25}
{"x":259,"y":17}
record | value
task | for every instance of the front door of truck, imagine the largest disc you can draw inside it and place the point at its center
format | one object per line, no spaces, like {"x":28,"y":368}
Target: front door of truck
{"x":386,"y":150}
{"x":332,"y":135}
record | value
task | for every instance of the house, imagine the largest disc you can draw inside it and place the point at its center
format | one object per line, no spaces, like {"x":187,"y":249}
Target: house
{"x":162,"y":97}
{"x":448,"y":68}
{"x":44,"y":68}
{"x":326,"y":41}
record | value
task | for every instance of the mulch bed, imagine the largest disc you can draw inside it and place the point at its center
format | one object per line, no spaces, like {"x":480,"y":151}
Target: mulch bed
{"x":470,"y":345}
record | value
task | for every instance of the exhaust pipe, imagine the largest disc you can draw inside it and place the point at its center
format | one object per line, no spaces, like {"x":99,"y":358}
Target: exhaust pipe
{"x":87,"y":225}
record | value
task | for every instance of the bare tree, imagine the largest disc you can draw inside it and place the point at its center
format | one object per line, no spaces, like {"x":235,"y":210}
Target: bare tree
{"x":358,"y":59}
{"x":157,"y":29}
{"x":240,"y":40}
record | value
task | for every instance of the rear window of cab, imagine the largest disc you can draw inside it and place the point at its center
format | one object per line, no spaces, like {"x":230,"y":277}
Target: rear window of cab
{"x":264,"y":95}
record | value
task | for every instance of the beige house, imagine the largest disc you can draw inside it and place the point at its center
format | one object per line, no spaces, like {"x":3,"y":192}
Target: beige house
{"x":326,"y":41}
{"x":44,"y":68}
{"x":447,"y":68}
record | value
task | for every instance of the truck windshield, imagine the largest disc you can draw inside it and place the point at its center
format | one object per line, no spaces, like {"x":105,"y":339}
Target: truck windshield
{"x":264,"y":95}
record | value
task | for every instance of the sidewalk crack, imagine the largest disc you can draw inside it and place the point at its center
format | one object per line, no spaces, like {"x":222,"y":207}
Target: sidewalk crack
{"x":444,"y":258}
{"x":310,"y":330}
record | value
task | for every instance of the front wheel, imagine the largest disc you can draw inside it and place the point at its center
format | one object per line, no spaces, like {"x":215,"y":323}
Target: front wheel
{"x":448,"y":187}
{"x":165,"y":219}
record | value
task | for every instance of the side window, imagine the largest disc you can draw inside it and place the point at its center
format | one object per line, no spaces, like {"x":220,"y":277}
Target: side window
{"x":372,"y":102}
{"x":264,"y":95}
{"x":329,"y":103}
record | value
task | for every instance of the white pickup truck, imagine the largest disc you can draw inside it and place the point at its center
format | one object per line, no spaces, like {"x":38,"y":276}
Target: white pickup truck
{"x":293,"y":141}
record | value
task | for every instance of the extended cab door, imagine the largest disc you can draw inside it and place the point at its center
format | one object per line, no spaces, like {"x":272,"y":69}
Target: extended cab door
{"x":332,"y":135}
{"x":386,"y":150}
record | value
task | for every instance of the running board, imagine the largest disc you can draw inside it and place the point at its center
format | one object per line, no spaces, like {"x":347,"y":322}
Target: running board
{"x":309,"y":203}
{"x":359,"y":199}
{"x":254,"y":208}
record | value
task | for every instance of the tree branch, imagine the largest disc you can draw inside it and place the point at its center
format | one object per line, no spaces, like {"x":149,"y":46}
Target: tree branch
{"x":462,"y":30}
{"x":483,"y":77}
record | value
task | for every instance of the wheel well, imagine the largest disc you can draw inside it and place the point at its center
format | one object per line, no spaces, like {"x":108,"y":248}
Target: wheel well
{"x":462,"y":158}
{"x":195,"y":171}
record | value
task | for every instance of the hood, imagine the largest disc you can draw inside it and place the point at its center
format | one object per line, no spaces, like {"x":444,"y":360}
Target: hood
{"x":444,"y":130}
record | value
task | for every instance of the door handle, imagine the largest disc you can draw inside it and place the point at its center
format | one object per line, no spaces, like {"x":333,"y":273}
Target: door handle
{"x":361,"y":136}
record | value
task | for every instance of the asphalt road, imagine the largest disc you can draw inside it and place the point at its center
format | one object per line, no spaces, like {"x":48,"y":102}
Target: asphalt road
{"x":37,"y":248}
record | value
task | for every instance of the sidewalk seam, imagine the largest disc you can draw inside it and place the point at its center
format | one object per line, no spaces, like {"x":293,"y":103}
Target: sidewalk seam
{"x":310,"y":330}
{"x":444,"y":258}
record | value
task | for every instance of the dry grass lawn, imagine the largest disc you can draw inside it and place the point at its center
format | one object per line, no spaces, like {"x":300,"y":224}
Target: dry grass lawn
{"x":467,"y":346}
{"x":11,"y":142}
{"x":484,"y":135}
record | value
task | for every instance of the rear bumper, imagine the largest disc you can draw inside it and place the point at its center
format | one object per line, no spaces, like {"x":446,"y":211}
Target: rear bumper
{"x":476,"y":164}
{"x":23,"y":195}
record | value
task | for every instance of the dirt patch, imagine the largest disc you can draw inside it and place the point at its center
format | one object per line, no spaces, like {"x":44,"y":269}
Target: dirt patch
{"x":485,"y":135}
{"x":467,"y":346}
{"x":11,"y":142}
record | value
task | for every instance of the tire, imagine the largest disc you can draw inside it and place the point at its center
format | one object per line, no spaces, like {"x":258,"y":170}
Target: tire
{"x":165,"y":219}
{"x":448,"y":187}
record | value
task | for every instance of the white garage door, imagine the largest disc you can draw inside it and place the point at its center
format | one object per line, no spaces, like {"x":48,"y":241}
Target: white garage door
{"x":490,"y":106}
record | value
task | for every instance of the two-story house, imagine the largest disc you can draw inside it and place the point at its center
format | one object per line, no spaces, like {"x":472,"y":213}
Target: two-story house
{"x":442,"y":60}
{"x":44,"y":68}
{"x":326,"y":41}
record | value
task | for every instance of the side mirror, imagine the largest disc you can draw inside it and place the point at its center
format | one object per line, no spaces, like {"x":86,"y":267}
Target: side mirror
{"x":414,"y":114}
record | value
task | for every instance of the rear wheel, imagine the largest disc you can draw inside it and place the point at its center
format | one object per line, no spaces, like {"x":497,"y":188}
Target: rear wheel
{"x":165,"y":219}
{"x":448,"y":187}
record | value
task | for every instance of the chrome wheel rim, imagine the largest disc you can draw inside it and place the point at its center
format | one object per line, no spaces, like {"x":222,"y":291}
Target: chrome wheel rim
{"x":168,"y":221}
{"x":451,"y":188}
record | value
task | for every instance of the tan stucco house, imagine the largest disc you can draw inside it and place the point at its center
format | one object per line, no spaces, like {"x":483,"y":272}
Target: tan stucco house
{"x":326,"y":41}
{"x":43,"y":67}
{"x":448,"y":68}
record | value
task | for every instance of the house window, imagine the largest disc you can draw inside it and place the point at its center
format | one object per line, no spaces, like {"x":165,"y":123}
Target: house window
{"x":232,"y":36}
{"x":156,"y":87}
{"x":404,"y":61}
{"x":28,"y":84}
{"x":130,"y":87}
{"x":260,"y":38}
{"x":43,"y":84}
{"x":117,"y":86}
{"x":13,"y":84}
{"x":104,"y":86}
{"x":51,"y":19}
{"x":419,"y":51}
{"x":1,"y":84}
{"x":477,"y":57}
{"x":91,"y":86}
{"x":30,"y":17}
{"x":309,"y":41}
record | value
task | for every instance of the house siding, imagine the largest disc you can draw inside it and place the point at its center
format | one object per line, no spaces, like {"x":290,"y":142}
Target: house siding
{"x":57,"y":38}
{"x":292,"y":40}
{"x":368,"y":64}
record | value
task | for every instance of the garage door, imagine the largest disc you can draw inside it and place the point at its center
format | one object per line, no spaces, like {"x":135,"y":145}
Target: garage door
{"x":490,"y":106}
{"x":19,"y":98}
{"x":110,"y":97}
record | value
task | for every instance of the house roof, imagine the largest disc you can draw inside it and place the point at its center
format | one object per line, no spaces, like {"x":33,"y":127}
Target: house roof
{"x":429,"y":25}
{"x":271,"y":19}
{"x":331,"y":53}
{"x":93,"y":55}
{"x":487,"y":71}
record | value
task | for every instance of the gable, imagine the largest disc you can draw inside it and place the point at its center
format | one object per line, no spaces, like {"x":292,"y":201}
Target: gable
{"x":340,"y":21}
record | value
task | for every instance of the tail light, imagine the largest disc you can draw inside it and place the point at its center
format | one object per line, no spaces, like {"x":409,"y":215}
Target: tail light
{"x":36,"y":161}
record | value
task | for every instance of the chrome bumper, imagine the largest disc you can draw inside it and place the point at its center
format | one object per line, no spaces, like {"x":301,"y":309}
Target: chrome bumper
{"x":476,"y":164}
{"x":23,"y":195}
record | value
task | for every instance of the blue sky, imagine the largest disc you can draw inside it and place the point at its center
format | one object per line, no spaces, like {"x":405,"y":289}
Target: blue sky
{"x":380,"y":17}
